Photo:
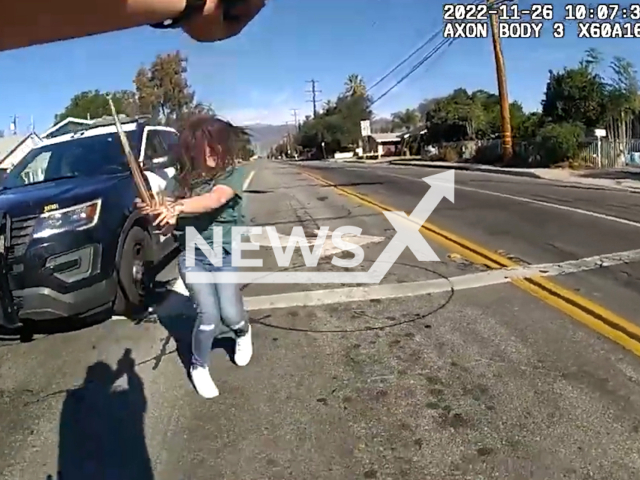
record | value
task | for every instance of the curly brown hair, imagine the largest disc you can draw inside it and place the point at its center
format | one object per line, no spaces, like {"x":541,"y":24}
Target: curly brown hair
{"x":202,"y":131}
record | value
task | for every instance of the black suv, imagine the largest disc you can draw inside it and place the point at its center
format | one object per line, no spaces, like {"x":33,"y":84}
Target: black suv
{"x":71,"y":242}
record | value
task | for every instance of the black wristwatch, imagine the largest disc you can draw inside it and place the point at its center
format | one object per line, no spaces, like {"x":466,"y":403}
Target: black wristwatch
{"x":192,"y":9}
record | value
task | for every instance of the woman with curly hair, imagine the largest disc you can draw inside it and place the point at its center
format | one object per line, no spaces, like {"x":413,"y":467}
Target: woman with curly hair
{"x":208,"y":195}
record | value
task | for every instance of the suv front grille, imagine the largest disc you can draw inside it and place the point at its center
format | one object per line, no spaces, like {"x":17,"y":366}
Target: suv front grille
{"x":19,"y":236}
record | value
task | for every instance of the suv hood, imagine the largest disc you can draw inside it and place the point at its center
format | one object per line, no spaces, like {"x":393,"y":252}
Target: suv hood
{"x":31,"y":199}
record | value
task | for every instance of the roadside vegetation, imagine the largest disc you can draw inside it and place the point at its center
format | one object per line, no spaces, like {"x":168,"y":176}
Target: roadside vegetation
{"x":466,"y":126}
{"x":160,"y":91}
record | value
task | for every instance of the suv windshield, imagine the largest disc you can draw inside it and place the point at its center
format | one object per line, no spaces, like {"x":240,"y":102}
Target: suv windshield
{"x":79,"y":157}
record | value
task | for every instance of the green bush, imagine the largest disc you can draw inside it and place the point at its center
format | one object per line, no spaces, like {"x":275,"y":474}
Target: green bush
{"x":559,"y":142}
{"x":488,"y":154}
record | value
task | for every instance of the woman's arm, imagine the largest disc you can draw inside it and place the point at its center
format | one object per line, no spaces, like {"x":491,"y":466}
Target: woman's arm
{"x":217,"y":197}
{"x":34,"y":22}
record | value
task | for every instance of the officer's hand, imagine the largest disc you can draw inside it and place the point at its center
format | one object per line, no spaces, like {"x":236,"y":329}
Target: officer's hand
{"x":223,"y":19}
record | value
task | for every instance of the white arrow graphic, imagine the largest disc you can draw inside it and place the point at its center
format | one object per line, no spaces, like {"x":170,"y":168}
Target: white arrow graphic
{"x":408,"y":227}
{"x":324,"y":239}
{"x":407,"y":235}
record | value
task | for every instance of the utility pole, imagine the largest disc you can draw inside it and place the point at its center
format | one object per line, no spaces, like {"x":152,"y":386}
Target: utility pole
{"x":14,"y":125}
{"x":507,"y":145}
{"x":294,"y":112}
{"x":314,"y":98}
{"x":287,"y":139}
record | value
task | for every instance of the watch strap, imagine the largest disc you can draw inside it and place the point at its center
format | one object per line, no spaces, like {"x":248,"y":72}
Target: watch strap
{"x":192,"y":8}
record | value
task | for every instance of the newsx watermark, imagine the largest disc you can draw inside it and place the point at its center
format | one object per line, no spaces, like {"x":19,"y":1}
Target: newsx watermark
{"x":407,"y":235}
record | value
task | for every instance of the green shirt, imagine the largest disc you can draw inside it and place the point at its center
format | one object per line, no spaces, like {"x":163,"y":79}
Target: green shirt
{"x":224,"y":218}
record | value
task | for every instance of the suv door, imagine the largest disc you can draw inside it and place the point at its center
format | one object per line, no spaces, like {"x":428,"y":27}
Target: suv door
{"x":157,"y":162}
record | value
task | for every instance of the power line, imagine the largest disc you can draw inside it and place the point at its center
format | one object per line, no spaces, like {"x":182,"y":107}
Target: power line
{"x":421,"y":62}
{"x":407,"y":58}
{"x":294,"y":112}
{"x":414,"y":52}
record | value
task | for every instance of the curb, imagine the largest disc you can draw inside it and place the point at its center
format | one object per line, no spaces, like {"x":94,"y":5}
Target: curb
{"x":367,"y":162}
{"x":518,"y":173}
{"x":469,"y":167}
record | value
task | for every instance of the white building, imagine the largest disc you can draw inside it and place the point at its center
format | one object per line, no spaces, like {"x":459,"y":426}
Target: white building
{"x":15,"y":147}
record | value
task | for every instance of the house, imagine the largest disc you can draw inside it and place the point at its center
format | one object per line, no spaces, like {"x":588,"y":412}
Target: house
{"x":384,"y":144}
{"x":67,"y":125}
{"x":14,"y":148}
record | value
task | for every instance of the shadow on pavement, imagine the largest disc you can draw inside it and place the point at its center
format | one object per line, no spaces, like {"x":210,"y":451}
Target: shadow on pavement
{"x":102,"y":426}
{"x":258,"y":192}
{"x":30,"y":329}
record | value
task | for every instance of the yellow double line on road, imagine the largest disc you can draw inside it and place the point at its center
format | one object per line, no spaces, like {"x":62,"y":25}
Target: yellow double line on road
{"x":581,"y":309}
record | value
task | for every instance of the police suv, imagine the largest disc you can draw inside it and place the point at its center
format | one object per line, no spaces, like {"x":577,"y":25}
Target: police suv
{"x":71,"y":241}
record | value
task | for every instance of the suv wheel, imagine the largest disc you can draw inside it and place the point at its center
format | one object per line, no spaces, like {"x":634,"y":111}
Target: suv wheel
{"x":132,"y":284}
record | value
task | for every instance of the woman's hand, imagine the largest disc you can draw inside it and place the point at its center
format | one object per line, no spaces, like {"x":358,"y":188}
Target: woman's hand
{"x":223,"y":19}
{"x":167,"y":214}
{"x":154,"y":209}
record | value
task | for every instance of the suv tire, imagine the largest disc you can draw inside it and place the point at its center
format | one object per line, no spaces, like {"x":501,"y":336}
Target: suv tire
{"x":135,"y":259}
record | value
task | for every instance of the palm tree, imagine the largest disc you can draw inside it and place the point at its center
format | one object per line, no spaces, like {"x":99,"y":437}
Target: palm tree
{"x":354,"y":86}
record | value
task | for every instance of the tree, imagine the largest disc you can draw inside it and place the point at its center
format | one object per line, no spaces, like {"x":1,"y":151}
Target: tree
{"x":195,"y":110}
{"x":426,"y":105}
{"x":575,"y":95}
{"x":163,"y":90}
{"x":559,"y":142}
{"x":355,"y":86}
{"x":406,"y":120}
{"x":93,"y":104}
{"x":338,"y":125}
{"x":622,"y":99}
{"x":529,"y":126}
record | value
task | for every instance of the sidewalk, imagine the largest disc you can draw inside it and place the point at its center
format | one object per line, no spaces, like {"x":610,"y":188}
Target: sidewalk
{"x":620,"y":178}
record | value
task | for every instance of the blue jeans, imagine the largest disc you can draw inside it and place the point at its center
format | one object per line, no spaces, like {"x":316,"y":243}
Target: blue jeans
{"x":219,"y":306}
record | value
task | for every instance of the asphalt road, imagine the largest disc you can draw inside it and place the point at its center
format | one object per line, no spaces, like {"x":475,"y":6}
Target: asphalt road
{"x":409,"y":379}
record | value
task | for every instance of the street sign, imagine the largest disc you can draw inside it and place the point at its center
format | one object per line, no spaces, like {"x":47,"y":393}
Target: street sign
{"x":365,"y":128}
{"x":600,"y":132}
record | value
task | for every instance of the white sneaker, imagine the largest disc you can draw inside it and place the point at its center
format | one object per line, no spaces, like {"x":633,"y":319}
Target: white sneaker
{"x":244,"y":349}
{"x":203,"y":382}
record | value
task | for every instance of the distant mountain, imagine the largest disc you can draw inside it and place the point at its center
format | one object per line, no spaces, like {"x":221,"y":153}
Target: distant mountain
{"x":265,"y":136}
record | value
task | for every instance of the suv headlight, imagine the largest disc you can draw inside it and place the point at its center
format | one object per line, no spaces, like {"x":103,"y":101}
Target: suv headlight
{"x":78,"y":217}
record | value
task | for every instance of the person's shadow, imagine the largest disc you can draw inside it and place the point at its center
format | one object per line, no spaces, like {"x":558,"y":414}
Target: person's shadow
{"x":102,"y":427}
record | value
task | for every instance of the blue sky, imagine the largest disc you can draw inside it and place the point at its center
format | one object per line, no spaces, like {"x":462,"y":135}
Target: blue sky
{"x":260,"y":75}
